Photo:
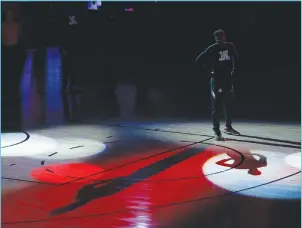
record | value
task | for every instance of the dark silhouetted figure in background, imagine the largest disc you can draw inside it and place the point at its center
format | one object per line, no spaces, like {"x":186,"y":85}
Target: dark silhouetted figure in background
{"x":219,"y":60}
{"x":13,"y":57}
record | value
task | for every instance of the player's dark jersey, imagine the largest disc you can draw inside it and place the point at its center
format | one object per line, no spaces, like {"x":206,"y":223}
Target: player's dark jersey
{"x":220,"y":59}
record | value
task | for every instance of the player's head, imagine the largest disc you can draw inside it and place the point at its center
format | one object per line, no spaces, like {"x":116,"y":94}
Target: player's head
{"x":219,"y":36}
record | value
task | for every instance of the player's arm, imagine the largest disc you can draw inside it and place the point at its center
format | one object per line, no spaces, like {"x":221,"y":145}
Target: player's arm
{"x":202,"y":57}
{"x":234,"y":57}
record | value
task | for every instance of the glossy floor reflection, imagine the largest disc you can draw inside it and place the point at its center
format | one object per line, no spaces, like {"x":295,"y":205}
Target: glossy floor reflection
{"x":65,"y":169}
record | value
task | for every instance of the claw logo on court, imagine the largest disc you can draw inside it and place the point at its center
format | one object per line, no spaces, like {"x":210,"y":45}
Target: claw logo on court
{"x":224,"y":55}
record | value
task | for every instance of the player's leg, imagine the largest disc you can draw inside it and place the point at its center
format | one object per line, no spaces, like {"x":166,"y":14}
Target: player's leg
{"x":216,"y":114}
{"x":227,"y":100}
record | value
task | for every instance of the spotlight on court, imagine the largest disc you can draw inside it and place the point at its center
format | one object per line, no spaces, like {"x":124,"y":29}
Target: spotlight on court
{"x":73,"y":149}
{"x":23,"y":144}
{"x":41,"y":147}
{"x":271,"y":178}
{"x":294,"y":160}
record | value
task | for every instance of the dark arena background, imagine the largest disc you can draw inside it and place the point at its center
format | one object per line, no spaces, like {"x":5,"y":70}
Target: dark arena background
{"x":106,"y":118}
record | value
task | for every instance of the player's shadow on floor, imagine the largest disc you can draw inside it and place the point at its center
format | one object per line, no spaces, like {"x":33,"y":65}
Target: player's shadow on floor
{"x":252,"y":162}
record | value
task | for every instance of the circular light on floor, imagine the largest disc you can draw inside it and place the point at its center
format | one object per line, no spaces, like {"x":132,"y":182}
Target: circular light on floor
{"x":257,"y":176}
{"x":15,"y":145}
{"x":73,"y":148}
{"x":294,"y":160}
{"x":13,"y":139}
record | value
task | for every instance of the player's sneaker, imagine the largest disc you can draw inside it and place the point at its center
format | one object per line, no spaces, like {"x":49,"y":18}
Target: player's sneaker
{"x":218,"y":136}
{"x":231,"y":131}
